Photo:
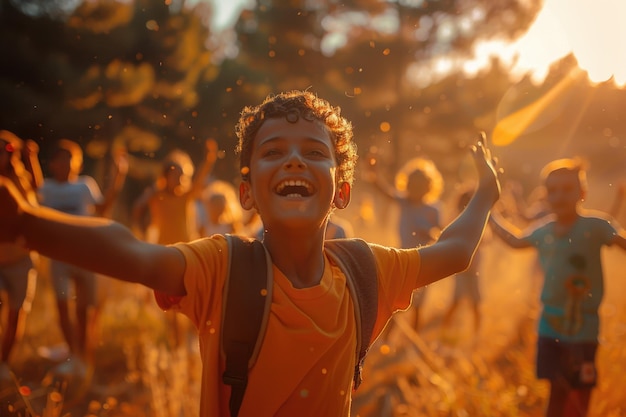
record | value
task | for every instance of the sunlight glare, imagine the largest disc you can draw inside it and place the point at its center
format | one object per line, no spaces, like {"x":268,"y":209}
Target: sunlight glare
{"x":592,"y":30}
{"x":511,"y":126}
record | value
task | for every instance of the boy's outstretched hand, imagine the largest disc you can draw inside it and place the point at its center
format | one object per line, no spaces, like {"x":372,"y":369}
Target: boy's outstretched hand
{"x":488,"y":182}
{"x":11,"y":203}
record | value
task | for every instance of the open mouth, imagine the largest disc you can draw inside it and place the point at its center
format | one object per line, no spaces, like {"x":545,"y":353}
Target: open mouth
{"x":294,"y":188}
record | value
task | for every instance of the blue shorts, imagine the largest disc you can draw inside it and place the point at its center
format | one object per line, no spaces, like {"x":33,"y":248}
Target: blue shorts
{"x":63,"y":274}
{"x":575,"y":361}
{"x":14,"y":279}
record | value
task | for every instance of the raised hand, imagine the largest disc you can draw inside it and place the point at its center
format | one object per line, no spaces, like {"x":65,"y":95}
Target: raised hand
{"x":212,"y":151}
{"x":31,"y":148}
{"x":120,"y":161}
{"x":488,"y":180}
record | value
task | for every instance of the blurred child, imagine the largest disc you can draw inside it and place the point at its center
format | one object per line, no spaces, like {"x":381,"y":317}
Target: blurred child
{"x":297,"y":161}
{"x":220,"y":210}
{"x":171,"y":205}
{"x":17,"y":272}
{"x":418,"y":187}
{"x":171,"y":202}
{"x":569,"y":246}
{"x":70,"y":192}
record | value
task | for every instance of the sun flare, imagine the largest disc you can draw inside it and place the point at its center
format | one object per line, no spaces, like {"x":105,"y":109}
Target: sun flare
{"x":592,"y":30}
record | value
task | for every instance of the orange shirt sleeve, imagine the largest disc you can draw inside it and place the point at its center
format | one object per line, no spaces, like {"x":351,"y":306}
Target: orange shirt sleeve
{"x":397,"y":279}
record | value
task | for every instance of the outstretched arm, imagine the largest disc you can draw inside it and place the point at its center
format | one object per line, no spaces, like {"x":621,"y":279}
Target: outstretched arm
{"x":96,"y":244}
{"x":509,"y":233}
{"x":457,"y":243}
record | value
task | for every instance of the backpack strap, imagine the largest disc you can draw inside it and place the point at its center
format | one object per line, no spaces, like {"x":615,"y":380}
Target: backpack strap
{"x":356,"y":260}
{"x":247,"y":300}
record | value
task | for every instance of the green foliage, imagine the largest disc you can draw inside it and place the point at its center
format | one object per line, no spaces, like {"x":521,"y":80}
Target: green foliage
{"x":107,"y":67}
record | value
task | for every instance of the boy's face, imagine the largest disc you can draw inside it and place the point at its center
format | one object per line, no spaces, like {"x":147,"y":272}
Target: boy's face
{"x":292,"y":174}
{"x":173,"y":177}
{"x":216,"y":205}
{"x":62,"y":166}
{"x":563,"y":192}
{"x":418,"y":185}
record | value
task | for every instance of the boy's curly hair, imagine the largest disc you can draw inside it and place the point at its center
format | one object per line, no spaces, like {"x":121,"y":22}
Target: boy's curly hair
{"x":427,"y":169}
{"x":292,"y":105}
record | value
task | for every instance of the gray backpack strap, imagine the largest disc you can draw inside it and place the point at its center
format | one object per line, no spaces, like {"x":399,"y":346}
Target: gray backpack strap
{"x":246,"y":304}
{"x":356,"y":260}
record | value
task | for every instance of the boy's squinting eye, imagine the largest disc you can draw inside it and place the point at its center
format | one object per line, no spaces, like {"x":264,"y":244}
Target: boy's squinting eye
{"x":271,"y":152}
{"x":317,"y":152}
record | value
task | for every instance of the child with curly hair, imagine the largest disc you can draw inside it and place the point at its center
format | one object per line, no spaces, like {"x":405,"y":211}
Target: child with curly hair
{"x":297,"y":159}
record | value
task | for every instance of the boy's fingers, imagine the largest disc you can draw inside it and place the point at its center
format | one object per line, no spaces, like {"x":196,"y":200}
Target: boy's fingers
{"x":483,"y":141}
{"x":482,"y":137}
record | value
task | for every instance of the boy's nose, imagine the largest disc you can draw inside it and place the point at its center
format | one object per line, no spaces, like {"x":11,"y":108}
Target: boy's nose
{"x":294,"y":161}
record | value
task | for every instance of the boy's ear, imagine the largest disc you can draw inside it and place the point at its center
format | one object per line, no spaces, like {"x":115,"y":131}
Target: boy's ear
{"x":245,"y":195}
{"x":342,"y":195}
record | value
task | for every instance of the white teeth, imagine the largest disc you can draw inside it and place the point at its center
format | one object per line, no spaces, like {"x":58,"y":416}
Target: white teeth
{"x":293,"y":183}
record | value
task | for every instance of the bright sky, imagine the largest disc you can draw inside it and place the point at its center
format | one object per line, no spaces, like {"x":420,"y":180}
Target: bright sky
{"x":593,"y":30}
{"x":227,"y":11}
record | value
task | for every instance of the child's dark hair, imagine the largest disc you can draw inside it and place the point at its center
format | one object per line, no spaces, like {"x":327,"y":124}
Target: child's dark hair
{"x":70,"y":147}
{"x":574,"y":165}
{"x":178,"y":159}
{"x":293,"y":105}
{"x":421,"y":167}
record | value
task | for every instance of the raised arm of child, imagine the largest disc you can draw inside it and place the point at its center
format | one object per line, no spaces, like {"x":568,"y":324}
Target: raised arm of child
{"x":507,"y":232}
{"x":100,"y":245}
{"x":199,"y":181}
{"x":454,"y":249}
{"x":30,"y":157}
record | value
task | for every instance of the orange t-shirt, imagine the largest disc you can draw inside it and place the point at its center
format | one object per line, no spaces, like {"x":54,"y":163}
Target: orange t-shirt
{"x":306,"y":363}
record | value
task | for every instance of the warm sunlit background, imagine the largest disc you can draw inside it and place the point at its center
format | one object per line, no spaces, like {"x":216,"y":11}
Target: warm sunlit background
{"x":544,"y":80}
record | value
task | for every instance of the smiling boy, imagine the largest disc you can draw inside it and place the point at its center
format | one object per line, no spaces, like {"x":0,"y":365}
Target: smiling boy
{"x":297,"y":161}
